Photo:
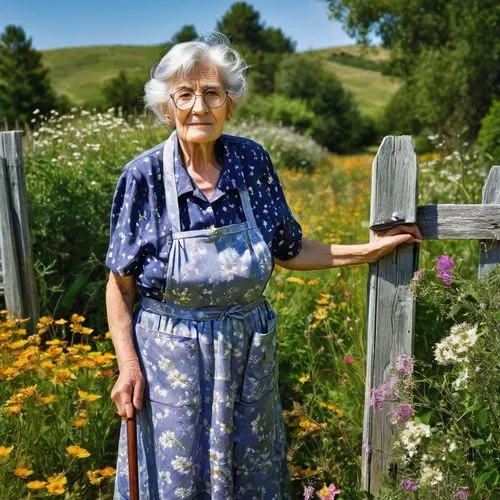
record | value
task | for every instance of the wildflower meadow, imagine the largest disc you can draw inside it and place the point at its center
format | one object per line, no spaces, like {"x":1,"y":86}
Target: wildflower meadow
{"x":58,"y":429}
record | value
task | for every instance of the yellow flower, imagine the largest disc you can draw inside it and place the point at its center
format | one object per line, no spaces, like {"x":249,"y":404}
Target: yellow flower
{"x":46,"y":320}
{"x":60,"y":322}
{"x":294,"y":279}
{"x":105,"y":373}
{"x":280,"y":296}
{"x":79,"y":422}
{"x":56,"y":489}
{"x":320,"y":313}
{"x":94,"y":477}
{"x":22,"y":472}
{"x":107,"y":471}
{"x":18,"y":344}
{"x":46,"y":400}
{"x":56,"y":484}
{"x":107,"y":335}
{"x":313,"y":282}
{"x":62,"y":376}
{"x":5,"y":450}
{"x":55,"y":342}
{"x":88,"y":396}
{"x":77,"y":451}
{"x":324,"y":299}
{"x":75,"y":318}
{"x":304,"y":379}
{"x":13,"y":409}
{"x":36,"y":485}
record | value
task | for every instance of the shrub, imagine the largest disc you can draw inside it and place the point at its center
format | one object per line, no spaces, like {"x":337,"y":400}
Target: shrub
{"x":287,"y":148}
{"x":489,"y":135}
{"x":278,"y":109}
{"x":337,"y":123}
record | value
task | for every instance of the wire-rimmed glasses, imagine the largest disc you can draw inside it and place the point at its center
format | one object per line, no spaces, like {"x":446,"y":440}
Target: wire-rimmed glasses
{"x":184,"y":99}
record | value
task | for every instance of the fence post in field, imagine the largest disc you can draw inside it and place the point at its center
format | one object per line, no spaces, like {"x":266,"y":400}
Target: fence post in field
{"x":391,"y":306}
{"x":15,"y":249}
{"x":490,"y":249}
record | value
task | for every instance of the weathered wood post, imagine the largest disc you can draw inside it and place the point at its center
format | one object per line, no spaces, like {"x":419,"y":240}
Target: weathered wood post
{"x":489,"y":256}
{"x":391,"y":307}
{"x":17,"y":262}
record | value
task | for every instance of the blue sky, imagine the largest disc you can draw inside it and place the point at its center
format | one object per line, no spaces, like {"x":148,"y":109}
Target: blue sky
{"x":63,"y":23}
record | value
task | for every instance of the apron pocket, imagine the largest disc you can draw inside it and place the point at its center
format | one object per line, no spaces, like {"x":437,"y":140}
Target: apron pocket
{"x":261,"y":372}
{"x":170,"y":366}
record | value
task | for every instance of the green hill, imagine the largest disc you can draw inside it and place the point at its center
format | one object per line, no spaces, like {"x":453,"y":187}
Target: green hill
{"x":80,"y":72}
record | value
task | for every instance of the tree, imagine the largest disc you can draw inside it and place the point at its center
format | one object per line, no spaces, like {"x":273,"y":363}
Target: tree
{"x":338,"y":124}
{"x":185,"y":34}
{"x":262,"y":47}
{"x":24,"y":82}
{"x":124,"y":92}
{"x":448,"y":54}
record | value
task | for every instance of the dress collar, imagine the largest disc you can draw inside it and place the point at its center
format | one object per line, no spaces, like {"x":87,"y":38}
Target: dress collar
{"x":231,"y":176}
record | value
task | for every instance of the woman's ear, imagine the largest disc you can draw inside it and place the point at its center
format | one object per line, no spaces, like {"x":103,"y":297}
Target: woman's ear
{"x":230,"y":107}
{"x":166,"y":113}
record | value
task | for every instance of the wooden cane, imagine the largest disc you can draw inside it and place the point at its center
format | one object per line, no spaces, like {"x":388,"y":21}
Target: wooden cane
{"x":133,"y":471}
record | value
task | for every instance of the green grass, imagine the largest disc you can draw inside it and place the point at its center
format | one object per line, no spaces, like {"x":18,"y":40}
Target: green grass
{"x":80,"y":72}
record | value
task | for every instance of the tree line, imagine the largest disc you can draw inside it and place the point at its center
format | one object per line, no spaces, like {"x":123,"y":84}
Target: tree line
{"x":447,"y":55}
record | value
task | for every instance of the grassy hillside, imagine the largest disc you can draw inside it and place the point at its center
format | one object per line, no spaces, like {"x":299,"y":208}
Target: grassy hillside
{"x":80,"y":72}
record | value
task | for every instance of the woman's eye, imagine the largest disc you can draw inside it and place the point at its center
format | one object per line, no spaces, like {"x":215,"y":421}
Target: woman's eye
{"x":211,"y":93}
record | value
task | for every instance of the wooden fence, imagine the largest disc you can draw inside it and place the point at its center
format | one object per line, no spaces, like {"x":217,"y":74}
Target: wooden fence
{"x":390,"y":304}
{"x":17,"y":278}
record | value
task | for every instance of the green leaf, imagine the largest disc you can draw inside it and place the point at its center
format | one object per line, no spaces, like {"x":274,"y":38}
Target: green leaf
{"x":424,"y":418}
{"x":475,"y":443}
{"x":73,"y":290}
{"x":490,"y":476}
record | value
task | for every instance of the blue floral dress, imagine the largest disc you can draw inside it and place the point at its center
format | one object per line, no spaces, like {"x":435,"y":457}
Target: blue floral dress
{"x":211,"y":424}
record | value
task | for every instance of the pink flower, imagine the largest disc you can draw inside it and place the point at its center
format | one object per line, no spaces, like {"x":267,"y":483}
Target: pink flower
{"x":462,"y":493}
{"x":444,"y":266}
{"x":328,"y":493}
{"x":404,"y":364}
{"x":403,"y":413}
{"x":308,"y":492}
{"x":347,"y":294}
{"x":348,"y":359}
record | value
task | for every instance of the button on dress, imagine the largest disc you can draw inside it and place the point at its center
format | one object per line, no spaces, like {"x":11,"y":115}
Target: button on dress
{"x":211,"y":425}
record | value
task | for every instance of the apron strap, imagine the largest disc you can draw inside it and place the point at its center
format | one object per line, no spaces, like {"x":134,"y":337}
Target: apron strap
{"x":247,"y":208}
{"x":170,"y":183}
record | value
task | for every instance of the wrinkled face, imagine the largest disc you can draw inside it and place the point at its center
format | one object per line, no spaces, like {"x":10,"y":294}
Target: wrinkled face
{"x":200,"y":124}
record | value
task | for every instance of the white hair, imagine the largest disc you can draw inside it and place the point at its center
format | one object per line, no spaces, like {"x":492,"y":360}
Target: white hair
{"x":180,"y":61}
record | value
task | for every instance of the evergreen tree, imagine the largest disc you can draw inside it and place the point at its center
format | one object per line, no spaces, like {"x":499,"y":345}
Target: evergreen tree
{"x":24,"y":82}
{"x":185,"y":34}
{"x":262,"y":47}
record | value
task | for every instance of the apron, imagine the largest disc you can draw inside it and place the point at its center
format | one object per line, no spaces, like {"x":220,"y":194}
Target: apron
{"x":211,"y":424}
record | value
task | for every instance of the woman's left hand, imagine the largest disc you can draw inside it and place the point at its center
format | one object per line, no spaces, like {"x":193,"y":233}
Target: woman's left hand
{"x":386,"y":241}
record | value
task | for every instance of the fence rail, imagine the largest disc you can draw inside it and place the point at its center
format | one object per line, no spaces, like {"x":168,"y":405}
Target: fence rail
{"x":390,"y":304}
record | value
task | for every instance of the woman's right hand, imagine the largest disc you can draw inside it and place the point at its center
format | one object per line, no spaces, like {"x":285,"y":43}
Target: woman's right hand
{"x":128,"y":389}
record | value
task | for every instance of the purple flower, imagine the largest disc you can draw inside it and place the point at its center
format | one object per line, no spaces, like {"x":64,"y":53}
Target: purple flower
{"x":308,"y":492}
{"x":444,"y":266}
{"x":462,"y":493}
{"x":403,"y":413}
{"x":333,"y":490}
{"x":387,"y":391}
{"x":404,"y":364}
{"x":409,"y":485}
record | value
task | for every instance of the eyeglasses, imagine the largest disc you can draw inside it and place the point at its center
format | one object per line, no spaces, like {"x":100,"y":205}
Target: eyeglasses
{"x":185,"y":99}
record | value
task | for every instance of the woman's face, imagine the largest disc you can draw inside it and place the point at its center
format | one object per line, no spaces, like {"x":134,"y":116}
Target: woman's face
{"x":200,"y":124}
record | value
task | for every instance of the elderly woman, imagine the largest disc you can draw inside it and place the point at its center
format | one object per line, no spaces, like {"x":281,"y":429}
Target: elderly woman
{"x":198,"y":223}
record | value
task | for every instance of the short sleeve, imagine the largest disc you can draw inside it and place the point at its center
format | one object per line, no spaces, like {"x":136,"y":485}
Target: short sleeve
{"x":127,"y":220}
{"x":287,"y":237}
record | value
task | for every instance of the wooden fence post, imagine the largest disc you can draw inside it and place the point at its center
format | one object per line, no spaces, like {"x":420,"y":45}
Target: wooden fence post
{"x":15,"y":231}
{"x":489,"y":256}
{"x":391,"y":307}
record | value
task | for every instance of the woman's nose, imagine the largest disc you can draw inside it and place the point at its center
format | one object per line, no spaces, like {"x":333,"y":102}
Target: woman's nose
{"x":199,"y":105}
